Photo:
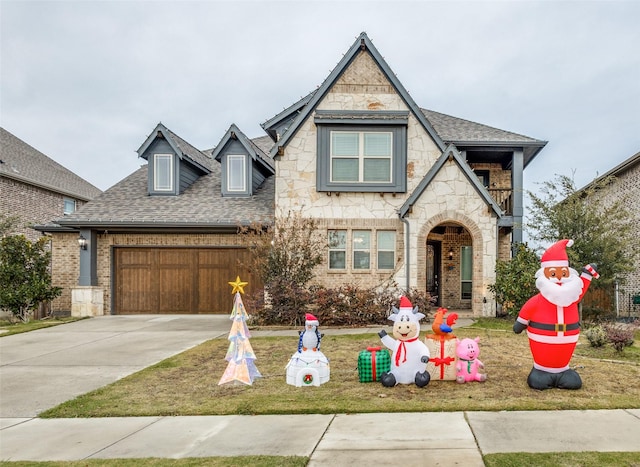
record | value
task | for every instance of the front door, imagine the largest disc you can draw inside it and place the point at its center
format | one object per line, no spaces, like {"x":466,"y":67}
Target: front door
{"x":434,"y":251}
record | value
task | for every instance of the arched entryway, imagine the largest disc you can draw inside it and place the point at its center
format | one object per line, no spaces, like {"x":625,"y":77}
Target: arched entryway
{"x":452,"y":266}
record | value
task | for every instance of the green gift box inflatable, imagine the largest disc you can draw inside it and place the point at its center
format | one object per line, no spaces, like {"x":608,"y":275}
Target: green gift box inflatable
{"x":372,"y":363}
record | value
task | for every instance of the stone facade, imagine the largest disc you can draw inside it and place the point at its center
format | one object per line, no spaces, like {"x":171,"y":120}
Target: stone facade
{"x":449,"y":200}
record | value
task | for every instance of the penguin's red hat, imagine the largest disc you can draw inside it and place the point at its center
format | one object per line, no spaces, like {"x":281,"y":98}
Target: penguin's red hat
{"x":311,"y":320}
{"x":556,"y":255}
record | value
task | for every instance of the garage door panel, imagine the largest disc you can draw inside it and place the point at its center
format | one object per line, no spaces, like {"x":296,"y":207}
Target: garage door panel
{"x":176,"y":289}
{"x":178,"y":280}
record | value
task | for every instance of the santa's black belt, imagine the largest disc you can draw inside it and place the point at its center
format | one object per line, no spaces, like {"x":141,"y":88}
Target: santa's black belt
{"x":557,"y":327}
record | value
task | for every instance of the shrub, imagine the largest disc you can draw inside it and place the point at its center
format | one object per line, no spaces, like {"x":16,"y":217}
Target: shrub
{"x":596,"y":335}
{"x":347,"y":305}
{"x":24,"y":275}
{"x":515,"y":280}
{"x":619,"y":337}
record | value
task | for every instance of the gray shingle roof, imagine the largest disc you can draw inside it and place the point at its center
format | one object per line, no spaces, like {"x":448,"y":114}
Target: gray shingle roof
{"x":201,"y":205}
{"x":457,"y":130}
{"x":25,"y":163}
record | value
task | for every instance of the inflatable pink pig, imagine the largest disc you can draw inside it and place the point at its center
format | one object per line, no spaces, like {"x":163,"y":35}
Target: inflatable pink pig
{"x":468,"y":364}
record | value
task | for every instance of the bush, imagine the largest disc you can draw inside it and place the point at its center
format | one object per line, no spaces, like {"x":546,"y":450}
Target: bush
{"x":348,"y":305}
{"x":24,"y":275}
{"x":596,"y":335}
{"x":619,"y":337}
{"x":515,"y":280}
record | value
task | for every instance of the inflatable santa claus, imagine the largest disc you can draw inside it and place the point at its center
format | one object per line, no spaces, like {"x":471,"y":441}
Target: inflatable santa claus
{"x":551,"y":319}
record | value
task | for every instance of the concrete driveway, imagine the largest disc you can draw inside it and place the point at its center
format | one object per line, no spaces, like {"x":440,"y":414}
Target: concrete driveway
{"x":41,"y":369}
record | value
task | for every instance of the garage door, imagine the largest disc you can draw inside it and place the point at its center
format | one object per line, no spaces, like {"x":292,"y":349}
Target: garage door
{"x":178,"y":280}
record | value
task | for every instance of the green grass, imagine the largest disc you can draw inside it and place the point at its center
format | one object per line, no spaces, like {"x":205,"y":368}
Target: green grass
{"x":187,"y":383}
{"x":564,"y":459}
{"x":8,"y":329}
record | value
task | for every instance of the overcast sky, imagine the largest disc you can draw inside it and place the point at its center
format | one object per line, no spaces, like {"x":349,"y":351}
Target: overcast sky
{"x":85,"y":82}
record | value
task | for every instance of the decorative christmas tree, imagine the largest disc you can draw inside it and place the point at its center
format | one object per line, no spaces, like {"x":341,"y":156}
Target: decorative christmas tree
{"x":240,"y":353}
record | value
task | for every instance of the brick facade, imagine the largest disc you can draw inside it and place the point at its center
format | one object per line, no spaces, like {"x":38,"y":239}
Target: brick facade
{"x":33,"y":205}
{"x":627,"y":185}
{"x":66,"y":257}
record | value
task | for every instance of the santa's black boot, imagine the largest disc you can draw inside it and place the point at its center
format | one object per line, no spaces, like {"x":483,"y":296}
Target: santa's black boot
{"x":569,"y":379}
{"x":422,"y":379}
{"x":541,"y":380}
{"x":388,"y":380}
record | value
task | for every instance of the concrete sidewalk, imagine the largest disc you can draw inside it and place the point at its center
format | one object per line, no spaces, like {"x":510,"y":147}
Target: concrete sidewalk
{"x":453,"y":438}
{"x":40,"y":369}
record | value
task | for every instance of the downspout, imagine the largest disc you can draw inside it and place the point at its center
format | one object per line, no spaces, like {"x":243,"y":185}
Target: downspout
{"x":407,"y":246}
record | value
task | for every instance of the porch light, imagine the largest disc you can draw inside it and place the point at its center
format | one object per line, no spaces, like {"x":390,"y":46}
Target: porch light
{"x":82,"y":242}
{"x":450,"y":254}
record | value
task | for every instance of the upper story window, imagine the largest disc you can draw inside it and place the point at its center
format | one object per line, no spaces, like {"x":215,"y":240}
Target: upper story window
{"x":361,"y":157}
{"x":69,"y":205}
{"x":362,"y":151}
{"x":163,"y":172}
{"x":236,"y":173}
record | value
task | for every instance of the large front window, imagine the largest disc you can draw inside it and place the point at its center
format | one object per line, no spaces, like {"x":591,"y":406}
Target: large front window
{"x":361,"y":151}
{"x":361,"y":157}
{"x":163,"y":172}
{"x":361,"y":250}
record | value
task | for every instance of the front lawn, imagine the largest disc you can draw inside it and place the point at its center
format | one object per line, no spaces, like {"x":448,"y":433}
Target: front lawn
{"x":187,"y":384}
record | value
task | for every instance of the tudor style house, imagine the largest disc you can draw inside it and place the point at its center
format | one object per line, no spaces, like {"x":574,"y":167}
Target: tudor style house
{"x":401,"y":193}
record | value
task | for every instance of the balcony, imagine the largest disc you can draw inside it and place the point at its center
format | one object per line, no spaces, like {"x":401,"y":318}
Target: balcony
{"x":504,"y":198}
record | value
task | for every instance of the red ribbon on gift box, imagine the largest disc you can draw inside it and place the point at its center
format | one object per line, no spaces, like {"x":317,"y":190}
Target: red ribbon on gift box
{"x":373,"y":351}
{"x":441,"y":361}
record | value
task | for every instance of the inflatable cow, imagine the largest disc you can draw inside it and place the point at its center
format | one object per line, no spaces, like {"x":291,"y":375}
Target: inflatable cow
{"x":410,"y":355}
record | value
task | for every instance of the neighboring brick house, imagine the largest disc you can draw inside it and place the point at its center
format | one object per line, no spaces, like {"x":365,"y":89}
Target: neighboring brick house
{"x":401,"y":194}
{"x":626,"y":183}
{"x":36,"y":188}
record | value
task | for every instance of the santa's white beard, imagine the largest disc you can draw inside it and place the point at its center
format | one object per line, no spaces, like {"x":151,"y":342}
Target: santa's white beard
{"x":562,"y":293}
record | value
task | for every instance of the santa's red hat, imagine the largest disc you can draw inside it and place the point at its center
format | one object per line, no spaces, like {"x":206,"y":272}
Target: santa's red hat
{"x":311,"y":320}
{"x":556,"y":255}
{"x":405,"y":303}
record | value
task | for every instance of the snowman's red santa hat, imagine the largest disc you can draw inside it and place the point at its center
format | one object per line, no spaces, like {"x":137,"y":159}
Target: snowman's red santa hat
{"x":556,"y":255}
{"x":310,"y":320}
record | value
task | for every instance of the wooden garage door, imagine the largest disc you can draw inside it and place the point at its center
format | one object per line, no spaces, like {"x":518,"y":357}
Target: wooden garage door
{"x":178,"y":280}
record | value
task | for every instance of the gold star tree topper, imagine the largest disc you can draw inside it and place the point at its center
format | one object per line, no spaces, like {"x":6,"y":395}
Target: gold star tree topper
{"x":238,"y":285}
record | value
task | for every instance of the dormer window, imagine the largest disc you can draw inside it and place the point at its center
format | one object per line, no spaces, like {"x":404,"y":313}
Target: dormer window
{"x":236,"y":173}
{"x":163,"y":172}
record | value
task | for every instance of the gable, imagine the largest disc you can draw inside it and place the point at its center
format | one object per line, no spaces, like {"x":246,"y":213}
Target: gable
{"x":362,"y":46}
{"x":245,"y":166}
{"x":450,"y":155}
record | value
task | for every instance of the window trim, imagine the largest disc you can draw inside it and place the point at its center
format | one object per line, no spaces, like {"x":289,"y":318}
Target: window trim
{"x":156,"y":158}
{"x":398,"y":183}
